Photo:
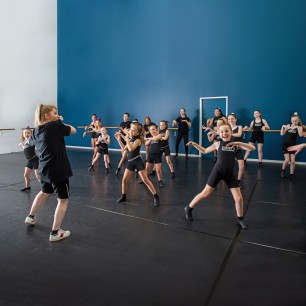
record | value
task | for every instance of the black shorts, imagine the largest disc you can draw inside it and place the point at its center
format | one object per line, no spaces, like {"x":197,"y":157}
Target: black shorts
{"x":239,"y":155}
{"x":61,"y":188}
{"x":154,"y":158}
{"x":285,"y":151}
{"x":102,"y":151}
{"x":33,"y":163}
{"x":257,"y":137}
{"x":227,"y":175}
{"x":136,"y":164}
{"x":93,"y":135}
{"x":166,"y":151}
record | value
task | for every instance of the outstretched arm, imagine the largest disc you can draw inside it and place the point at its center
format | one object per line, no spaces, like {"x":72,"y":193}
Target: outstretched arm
{"x":202,"y":149}
{"x":298,"y":148}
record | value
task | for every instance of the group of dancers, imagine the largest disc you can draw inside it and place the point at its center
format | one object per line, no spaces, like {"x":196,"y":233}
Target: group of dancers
{"x":54,"y":170}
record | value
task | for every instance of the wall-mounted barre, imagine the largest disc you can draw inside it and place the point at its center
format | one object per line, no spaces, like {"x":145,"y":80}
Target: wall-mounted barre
{"x":114,"y":127}
{"x":12,"y":129}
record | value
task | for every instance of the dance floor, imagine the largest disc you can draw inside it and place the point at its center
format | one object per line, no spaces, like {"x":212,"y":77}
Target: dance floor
{"x":138,"y":254}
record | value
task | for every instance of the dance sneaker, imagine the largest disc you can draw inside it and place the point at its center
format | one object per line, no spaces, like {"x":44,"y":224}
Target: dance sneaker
{"x":30,"y":220}
{"x":25,"y":188}
{"x":161,"y":184}
{"x":118,"y":170}
{"x":156,"y":200}
{"x":242,"y":224}
{"x":172,"y":175}
{"x":188,"y":213}
{"x":90,"y":167}
{"x":61,"y":234}
{"x":282,"y":174}
{"x":122,"y":199}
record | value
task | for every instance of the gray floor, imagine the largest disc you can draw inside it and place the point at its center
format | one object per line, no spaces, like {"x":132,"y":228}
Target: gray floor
{"x":138,"y":254}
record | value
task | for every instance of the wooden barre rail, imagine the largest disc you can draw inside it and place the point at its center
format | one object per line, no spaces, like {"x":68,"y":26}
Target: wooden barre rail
{"x":12,"y":129}
{"x":113,"y":127}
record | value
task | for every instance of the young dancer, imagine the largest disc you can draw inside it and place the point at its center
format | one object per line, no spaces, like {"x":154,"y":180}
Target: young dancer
{"x":223,"y":170}
{"x":184,"y":123}
{"x":147,"y":123}
{"x":102,"y":143}
{"x":89,"y":129}
{"x":290,"y":132}
{"x":237,"y":136}
{"x":213,"y":134}
{"x":155,"y":153}
{"x":134,"y":140}
{"x":29,"y":152}
{"x":212,"y":122}
{"x":54,"y":167}
{"x":257,"y":126}
{"x":163,"y":130}
{"x":123,"y":131}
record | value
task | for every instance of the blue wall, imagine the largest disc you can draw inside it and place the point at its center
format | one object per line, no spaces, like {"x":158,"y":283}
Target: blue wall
{"x":151,"y":57}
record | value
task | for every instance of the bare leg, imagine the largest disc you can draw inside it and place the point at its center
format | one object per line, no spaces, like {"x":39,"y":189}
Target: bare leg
{"x":61,"y":208}
{"x":26,"y":175}
{"x":292,"y":163}
{"x":144,"y":176}
{"x":126,"y":177}
{"x":286,"y":161}
{"x":241,"y":169}
{"x":260,"y":151}
{"x":238,"y":201}
{"x":40,"y":198}
{"x":169,"y":162}
{"x":205,"y":193}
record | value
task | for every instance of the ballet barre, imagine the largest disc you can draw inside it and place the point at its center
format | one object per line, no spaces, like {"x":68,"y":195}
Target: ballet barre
{"x":12,"y":129}
{"x":266,"y":131}
{"x":113,"y":127}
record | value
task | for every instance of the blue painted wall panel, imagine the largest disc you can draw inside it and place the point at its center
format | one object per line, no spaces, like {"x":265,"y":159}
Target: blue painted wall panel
{"x":151,"y":57}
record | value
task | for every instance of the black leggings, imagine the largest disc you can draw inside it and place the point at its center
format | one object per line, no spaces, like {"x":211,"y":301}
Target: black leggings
{"x":180,"y":135}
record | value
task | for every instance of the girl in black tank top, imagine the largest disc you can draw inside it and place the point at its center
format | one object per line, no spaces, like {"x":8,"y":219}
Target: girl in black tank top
{"x":237,"y":136}
{"x":223,"y":170}
{"x":163,"y":130}
{"x":155,"y":153}
{"x":134,"y":140}
{"x":257,"y":126}
{"x":29,"y":152}
{"x":290,"y":133}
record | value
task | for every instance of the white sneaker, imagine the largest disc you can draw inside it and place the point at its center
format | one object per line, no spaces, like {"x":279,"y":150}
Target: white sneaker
{"x":61,"y":234}
{"x":30,"y":220}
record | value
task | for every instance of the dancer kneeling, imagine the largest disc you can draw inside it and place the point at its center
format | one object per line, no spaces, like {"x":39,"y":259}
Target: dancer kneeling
{"x":134,"y":140}
{"x":223,"y":170}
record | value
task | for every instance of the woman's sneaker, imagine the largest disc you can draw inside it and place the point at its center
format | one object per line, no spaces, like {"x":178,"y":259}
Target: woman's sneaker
{"x":30,"y":220}
{"x":61,"y":234}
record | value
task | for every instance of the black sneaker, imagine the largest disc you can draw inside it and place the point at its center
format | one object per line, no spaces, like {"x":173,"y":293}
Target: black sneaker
{"x":260,"y":165}
{"x":90,"y":167}
{"x":118,"y":170}
{"x":156,"y":201}
{"x":107,"y":171}
{"x":172,"y":175}
{"x":282,"y":174}
{"x":25,"y":189}
{"x":242,"y":224}
{"x":188,"y":213}
{"x":161,"y":184}
{"x":122,"y":199}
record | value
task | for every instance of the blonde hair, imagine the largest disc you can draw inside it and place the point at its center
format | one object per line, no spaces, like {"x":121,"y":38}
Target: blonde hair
{"x":41,"y":111}
{"x":140,"y":132}
{"x":300,"y":123}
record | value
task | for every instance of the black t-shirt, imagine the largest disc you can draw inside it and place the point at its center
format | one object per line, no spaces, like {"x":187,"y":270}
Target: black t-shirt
{"x":124,"y":125}
{"x":182,"y":126}
{"x":48,"y":140}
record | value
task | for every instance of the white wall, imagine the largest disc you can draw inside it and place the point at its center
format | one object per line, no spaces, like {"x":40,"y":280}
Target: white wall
{"x":28,"y":64}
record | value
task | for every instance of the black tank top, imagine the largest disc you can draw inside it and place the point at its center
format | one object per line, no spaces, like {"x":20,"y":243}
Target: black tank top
{"x":226,"y":156}
{"x":164,"y":143}
{"x":235,"y":130}
{"x":29,"y":151}
{"x":155,"y":147}
{"x":290,"y":137}
{"x":136,"y":152}
{"x":103,"y":143}
{"x":257,"y":127}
